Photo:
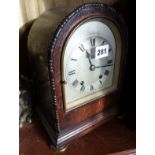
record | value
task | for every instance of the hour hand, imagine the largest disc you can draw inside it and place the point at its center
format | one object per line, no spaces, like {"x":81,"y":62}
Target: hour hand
{"x":103,"y":66}
{"x":88,"y":56}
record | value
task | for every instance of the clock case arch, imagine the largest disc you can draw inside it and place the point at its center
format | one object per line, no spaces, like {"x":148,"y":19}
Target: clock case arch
{"x":50,"y":31}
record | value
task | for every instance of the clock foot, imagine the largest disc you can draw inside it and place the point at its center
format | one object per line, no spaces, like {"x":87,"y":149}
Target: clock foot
{"x":63,"y":148}
{"x":60,"y":149}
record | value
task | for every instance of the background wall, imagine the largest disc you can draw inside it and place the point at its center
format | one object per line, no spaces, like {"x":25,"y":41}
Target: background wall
{"x":31,"y":9}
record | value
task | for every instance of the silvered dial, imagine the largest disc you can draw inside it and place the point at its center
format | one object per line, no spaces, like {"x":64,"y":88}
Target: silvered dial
{"x":85,"y":73}
{"x":88,"y":62}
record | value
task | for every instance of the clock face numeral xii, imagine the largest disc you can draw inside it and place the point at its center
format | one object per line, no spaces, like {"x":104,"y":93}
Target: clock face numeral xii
{"x":92,"y":41}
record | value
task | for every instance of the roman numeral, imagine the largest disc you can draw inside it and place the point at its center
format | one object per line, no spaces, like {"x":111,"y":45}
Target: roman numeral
{"x":82,"y":88}
{"x":106,"y":72}
{"x":75,"y":83}
{"x":100,"y":81}
{"x":71,"y":72}
{"x":100,"y":77}
{"x":81,"y":47}
{"x":109,"y":61}
{"x":103,"y":42}
{"x":92,"y":41}
{"x":73,"y":59}
{"x":91,"y":87}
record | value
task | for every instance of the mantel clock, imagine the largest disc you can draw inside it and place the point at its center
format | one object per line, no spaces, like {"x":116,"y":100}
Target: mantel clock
{"x":77,"y":59}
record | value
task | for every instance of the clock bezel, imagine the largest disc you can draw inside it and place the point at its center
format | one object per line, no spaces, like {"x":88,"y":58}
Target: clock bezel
{"x":114,"y":85}
{"x":55,"y":57}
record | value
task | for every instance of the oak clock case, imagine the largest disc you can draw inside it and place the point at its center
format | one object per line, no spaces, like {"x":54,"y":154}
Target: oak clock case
{"x":77,"y":60}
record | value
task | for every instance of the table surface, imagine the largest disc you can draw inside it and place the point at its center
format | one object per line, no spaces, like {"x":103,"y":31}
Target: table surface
{"x":113,"y":136}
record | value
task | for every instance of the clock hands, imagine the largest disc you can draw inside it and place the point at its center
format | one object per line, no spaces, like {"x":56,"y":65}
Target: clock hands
{"x":93,"y":67}
{"x":103,"y":66}
{"x":88,"y":56}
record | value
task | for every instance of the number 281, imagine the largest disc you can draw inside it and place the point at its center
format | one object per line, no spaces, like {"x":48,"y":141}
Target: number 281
{"x":101,"y":51}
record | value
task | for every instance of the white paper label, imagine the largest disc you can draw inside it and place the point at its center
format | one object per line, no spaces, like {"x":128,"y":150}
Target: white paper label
{"x":101,"y":51}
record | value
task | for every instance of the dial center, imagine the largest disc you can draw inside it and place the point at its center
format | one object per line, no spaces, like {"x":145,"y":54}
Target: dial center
{"x":92,"y":67}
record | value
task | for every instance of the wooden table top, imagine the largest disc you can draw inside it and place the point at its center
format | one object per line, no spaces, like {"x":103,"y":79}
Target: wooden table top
{"x":112,"y":137}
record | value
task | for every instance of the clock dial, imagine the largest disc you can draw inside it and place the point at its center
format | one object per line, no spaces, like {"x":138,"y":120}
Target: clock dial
{"x":88,"y":63}
{"x":83,"y":66}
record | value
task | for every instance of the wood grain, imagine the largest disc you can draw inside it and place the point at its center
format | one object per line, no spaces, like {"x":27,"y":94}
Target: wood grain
{"x":114,"y":138}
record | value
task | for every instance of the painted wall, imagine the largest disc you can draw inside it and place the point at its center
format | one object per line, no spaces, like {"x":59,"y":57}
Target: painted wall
{"x":31,"y":9}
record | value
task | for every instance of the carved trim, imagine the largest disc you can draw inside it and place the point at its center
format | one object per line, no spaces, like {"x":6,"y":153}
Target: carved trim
{"x":54,"y":99}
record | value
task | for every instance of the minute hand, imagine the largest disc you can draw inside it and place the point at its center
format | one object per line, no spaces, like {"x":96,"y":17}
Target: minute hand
{"x":104,"y":66}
